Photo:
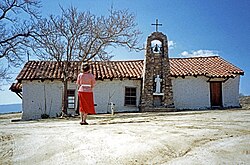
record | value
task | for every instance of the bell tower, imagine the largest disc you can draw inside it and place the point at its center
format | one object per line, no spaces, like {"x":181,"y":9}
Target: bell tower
{"x":157,"y":92}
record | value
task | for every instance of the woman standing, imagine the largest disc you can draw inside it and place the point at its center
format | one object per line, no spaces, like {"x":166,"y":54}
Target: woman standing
{"x":86,"y":82}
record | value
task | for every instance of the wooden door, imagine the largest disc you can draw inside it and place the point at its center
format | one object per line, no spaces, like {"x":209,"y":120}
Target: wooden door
{"x":216,"y":94}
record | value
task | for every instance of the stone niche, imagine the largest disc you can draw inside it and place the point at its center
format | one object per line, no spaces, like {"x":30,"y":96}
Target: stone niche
{"x":157,"y":101}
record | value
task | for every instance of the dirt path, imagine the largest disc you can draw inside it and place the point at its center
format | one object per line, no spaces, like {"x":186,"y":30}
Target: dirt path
{"x":198,"y":137}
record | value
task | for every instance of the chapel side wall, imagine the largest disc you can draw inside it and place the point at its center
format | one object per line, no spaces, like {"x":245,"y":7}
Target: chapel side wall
{"x":116,"y":89}
{"x":191,"y":93}
{"x":37,"y":94}
{"x":230,"y":92}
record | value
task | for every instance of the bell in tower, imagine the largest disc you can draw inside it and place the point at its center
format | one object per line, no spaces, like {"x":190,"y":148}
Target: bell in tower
{"x":156,"y":49}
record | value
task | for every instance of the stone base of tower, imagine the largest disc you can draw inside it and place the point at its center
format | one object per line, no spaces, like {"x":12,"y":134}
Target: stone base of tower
{"x":159,"y":110}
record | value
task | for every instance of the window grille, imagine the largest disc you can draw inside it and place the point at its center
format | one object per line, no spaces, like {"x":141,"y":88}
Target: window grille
{"x":130,"y":96}
{"x":71,"y":99}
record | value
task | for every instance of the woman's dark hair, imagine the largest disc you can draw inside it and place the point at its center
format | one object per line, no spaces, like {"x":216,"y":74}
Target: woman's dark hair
{"x":85,"y":67}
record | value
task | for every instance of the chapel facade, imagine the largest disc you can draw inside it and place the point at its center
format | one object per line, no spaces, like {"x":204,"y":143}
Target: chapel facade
{"x":157,"y":83}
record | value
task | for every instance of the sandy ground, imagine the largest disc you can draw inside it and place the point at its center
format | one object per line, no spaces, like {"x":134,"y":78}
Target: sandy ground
{"x":194,"y":137}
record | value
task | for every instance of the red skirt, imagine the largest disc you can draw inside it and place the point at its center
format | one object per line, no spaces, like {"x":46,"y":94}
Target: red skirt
{"x":86,"y":102}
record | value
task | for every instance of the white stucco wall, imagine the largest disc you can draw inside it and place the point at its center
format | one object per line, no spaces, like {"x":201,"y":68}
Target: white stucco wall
{"x":39,"y":97}
{"x":194,"y":93}
{"x":230,"y":92}
{"x":188,"y":93}
{"x":114,"y":91}
{"x":191,"y":93}
{"x":107,"y":91}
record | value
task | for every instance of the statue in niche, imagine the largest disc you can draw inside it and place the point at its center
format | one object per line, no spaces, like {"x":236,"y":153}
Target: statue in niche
{"x":158,"y":81}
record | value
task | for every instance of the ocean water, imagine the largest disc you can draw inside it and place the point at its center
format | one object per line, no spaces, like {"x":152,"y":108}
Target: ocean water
{"x":8,"y":108}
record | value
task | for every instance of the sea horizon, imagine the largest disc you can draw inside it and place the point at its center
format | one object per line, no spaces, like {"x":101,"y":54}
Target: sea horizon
{"x":9,"y":108}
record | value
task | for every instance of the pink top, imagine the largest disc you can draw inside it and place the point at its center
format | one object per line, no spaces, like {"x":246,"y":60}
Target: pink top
{"x":86,"y":82}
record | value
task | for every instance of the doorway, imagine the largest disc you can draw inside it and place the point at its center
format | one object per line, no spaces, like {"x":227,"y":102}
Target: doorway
{"x":216,"y":94}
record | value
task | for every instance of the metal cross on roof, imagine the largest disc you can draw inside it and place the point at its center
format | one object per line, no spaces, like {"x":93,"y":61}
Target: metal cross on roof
{"x":156,"y":25}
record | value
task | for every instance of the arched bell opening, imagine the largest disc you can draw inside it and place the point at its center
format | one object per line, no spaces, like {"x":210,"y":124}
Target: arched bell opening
{"x":156,"y":46}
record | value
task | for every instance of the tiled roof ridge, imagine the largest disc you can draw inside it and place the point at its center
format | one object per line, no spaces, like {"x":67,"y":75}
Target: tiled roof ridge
{"x":171,"y":58}
{"x":88,"y":61}
{"x":176,"y":58}
{"x":132,"y":60}
{"x":119,"y":60}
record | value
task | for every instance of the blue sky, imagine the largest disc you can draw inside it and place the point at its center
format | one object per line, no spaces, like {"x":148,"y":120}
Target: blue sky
{"x":193,"y":27}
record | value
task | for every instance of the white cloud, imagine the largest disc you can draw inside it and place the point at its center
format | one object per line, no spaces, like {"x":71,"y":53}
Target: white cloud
{"x":171,"y":44}
{"x":199,"y":53}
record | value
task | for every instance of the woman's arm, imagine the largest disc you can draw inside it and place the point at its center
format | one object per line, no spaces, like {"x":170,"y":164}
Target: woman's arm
{"x":93,"y":82}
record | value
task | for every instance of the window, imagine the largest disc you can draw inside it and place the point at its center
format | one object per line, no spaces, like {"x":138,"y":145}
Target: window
{"x":130,"y":96}
{"x":71,"y":99}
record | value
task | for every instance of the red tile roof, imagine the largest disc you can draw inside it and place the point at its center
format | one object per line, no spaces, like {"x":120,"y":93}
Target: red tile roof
{"x":41,"y":70}
{"x":214,"y":67}
{"x":16,"y":87}
{"x":208,"y":66}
